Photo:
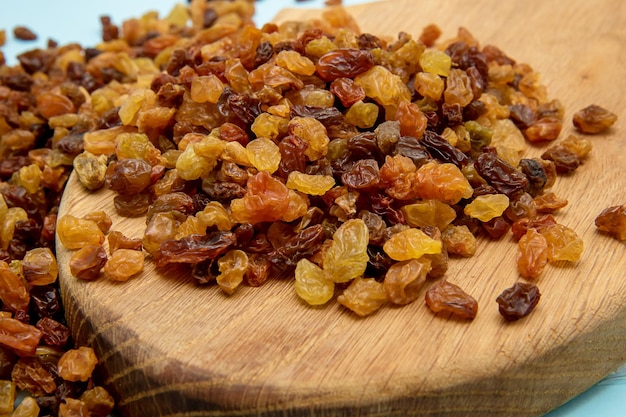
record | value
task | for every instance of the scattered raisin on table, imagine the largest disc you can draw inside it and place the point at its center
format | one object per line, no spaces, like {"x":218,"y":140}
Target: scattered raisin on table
{"x":446,"y":296}
{"x":518,"y":301}
{"x":594,"y":119}
{"x":612,"y":220}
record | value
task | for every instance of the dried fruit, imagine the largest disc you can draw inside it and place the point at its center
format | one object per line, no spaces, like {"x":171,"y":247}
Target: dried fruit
{"x":344,"y":63}
{"x":87,"y":262}
{"x":232,"y":266}
{"x":486,"y":207}
{"x":24,"y":33}
{"x":411,"y":243}
{"x":356,"y":164}
{"x":30,"y":374}
{"x":563,"y":243}
{"x":312,"y":284}
{"x":123,"y":264}
{"x":446,"y":296}
{"x":77,"y":364}
{"x":13,"y":292}
{"x":404,"y":280}
{"x":346,"y":258}
{"x":518,"y":301}
{"x":39,"y":266}
{"x":75,"y":233}
{"x":612,"y":220}
{"x":363,"y":296}
{"x":20,"y":337}
{"x":98,"y":401}
{"x":532,"y":255}
{"x":28,"y":407}
{"x":594,"y":119}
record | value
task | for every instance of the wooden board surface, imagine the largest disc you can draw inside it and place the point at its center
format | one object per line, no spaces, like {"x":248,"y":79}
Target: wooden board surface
{"x":170,"y":348}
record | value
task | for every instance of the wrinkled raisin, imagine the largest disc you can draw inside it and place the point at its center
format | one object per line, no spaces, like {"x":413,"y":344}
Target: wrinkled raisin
{"x":612,"y":220}
{"x":518,"y":301}
{"x":446,"y":296}
{"x":594,"y":119}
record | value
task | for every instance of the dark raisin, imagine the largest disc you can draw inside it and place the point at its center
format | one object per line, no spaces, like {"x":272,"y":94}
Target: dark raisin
{"x":518,"y":301}
{"x":500,"y":174}
{"x":439,"y":148}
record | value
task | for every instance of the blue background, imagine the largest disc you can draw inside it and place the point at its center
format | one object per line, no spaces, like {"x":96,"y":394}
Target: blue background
{"x":78,"y":21}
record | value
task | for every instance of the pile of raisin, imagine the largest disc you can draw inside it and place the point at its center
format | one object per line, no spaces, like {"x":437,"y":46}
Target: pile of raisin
{"x":355,"y":165}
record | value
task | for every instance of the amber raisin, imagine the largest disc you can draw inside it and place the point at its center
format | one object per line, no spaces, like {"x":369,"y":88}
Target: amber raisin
{"x":363,"y":296}
{"x":532,"y":255}
{"x":594,"y":119}
{"x":77,"y":364}
{"x":123,"y":264}
{"x":612,"y":220}
{"x":87,"y":262}
{"x":404,"y":280}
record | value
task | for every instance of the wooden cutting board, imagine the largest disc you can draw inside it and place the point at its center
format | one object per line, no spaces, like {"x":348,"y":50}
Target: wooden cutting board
{"x":170,"y":348}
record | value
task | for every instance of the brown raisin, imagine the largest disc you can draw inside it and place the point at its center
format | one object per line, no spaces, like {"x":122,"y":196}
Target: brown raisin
{"x":446,"y":296}
{"x":594,"y":119}
{"x":612,"y":220}
{"x":24,"y":33}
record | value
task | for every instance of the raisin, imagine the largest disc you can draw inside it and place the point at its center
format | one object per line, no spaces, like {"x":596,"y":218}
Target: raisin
{"x":13,"y":292}
{"x":501,"y":175}
{"x":518,"y":301}
{"x":77,"y":364}
{"x":344,"y":63}
{"x":31,"y":375}
{"x":87,"y":262}
{"x":259,"y":270}
{"x":312,"y":284}
{"x":22,"y":338}
{"x":404,"y":280}
{"x":39,"y":266}
{"x":194,"y":249}
{"x":442,"y":150}
{"x":123,"y":264}
{"x":232,"y":267}
{"x":446,"y":296}
{"x":565,"y":160}
{"x":98,"y":401}
{"x":24,"y":33}
{"x":302,"y":244}
{"x":521,"y":226}
{"x":563,"y":243}
{"x":347,"y":258}
{"x":411,"y":243}
{"x":594,"y":119}
{"x":459,"y":240}
{"x":540,"y":173}
{"x":532,"y":255}
{"x":53,"y":332}
{"x":117,"y":240}
{"x":128,"y":176}
{"x":363,"y":296}
{"x":487,"y":207}
{"x":45,"y":301}
{"x":612,"y":220}
{"x":412,"y":148}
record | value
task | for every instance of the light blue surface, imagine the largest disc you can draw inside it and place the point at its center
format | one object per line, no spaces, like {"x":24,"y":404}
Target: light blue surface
{"x":78,"y":21}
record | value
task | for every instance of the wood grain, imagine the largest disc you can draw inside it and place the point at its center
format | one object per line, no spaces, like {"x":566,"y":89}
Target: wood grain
{"x":169,"y":348}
